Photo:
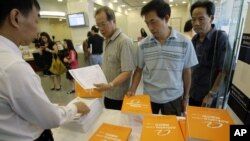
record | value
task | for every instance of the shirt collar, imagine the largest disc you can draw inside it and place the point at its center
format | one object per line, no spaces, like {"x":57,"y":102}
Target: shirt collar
{"x":172,"y":35}
{"x":9,"y":46}
{"x":115,"y":34}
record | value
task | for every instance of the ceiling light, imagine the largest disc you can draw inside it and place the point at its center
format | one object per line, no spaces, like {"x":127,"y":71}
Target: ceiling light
{"x":52,"y":13}
{"x":184,"y":2}
{"x":170,"y":0}
{"x":123,"y":5}
{"x":144,"y":2}
{"x":115,"y":1}
{"x":60,"y":0}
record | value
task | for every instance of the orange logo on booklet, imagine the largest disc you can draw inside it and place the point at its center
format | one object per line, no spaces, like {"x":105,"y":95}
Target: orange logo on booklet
{"x":139,"y":104}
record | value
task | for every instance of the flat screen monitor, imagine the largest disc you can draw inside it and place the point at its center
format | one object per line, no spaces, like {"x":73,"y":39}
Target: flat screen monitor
{"x":76,"y":19}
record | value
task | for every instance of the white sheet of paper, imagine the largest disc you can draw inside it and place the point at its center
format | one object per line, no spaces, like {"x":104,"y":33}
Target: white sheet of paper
{"x":88,"y":76}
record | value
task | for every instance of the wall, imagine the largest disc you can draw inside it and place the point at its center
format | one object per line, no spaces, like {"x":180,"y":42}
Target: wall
{"x":136,"y":22}
{"x":55,"y":27}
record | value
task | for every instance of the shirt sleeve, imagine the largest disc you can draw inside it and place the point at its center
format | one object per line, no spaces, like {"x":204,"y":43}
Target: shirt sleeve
{"x":190,"y":56}
{"x":29,"y":101}
{"x":139,"y":56}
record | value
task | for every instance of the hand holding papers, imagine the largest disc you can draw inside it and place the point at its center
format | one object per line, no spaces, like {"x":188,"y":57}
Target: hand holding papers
{"x":88,"y":76}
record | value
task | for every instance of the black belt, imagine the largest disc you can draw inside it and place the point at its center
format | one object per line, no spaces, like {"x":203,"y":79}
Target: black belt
{"x":45,"y":136}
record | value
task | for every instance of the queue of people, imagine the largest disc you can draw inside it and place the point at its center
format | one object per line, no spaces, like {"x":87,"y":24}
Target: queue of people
{"x":176,"y":71}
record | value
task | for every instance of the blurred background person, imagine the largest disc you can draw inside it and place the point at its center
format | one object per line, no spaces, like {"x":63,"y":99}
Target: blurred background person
{"x":72,"y":60}
{"x":85,"y":47}
{"x":95,"y":46}
{"x":49,"y":50}
{"x":143,"y":33}
{"x":188,"y":29}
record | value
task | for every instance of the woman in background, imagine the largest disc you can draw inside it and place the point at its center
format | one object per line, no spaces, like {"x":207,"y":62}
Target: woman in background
{"x":49,"y":50}
{"x":72,"y":60}
{"x":85,"y":48}
{"x":143,"y":33}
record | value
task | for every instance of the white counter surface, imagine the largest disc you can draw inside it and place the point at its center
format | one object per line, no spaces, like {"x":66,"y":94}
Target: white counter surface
{"x":73,"y":131}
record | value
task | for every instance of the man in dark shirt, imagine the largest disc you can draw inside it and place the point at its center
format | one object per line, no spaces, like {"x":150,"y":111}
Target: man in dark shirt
{"x":95,"y":47}
{"x":212,"y":49}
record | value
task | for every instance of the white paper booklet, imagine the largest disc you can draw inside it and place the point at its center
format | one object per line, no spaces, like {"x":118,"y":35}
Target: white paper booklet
{"x":88,"y":76}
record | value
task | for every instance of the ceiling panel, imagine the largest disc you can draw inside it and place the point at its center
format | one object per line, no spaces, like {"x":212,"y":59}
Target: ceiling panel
{"x":138,"y":3}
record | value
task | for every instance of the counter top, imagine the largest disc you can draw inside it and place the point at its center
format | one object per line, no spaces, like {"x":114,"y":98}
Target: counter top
{"x":72,"y":131}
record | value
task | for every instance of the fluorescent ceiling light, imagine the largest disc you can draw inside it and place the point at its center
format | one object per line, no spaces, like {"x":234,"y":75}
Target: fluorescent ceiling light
{"x":52,"y":13}
{"x":59,"y":0}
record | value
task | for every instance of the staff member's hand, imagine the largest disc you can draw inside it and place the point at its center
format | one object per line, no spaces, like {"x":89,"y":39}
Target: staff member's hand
{"x":82,"y":108}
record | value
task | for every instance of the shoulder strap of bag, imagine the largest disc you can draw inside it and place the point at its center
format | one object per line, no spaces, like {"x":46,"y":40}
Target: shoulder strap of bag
{"x":215,"y":41}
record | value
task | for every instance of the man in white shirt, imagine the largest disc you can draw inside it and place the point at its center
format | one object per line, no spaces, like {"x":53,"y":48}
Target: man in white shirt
{"x":25,"y":110}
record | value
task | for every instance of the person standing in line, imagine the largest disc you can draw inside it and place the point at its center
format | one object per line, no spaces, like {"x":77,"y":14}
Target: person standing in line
{"x":212,"y":48}
{"x":165,"y":60}
{"x":95,"y":47}
{"x":188,"y":30}
{"x":72,"y":62}
{"x":26,"y":112}
{"x":118,"y":60}
{"x":85,"y":48}
{"x":143,"y":33}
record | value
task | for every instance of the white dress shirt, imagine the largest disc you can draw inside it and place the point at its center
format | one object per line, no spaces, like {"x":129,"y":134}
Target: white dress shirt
{"x":25,"y":110}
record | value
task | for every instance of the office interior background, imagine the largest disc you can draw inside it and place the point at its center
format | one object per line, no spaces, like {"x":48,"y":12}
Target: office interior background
{"x":233,"y":16}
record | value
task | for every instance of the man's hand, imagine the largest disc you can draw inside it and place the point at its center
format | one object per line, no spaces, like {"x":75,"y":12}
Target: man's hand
{"x":130,"y":93}
{"x":103,"y":87}
{"x":207,"y":101}
{"x":82,"y":108}
{"x":185,"y":102}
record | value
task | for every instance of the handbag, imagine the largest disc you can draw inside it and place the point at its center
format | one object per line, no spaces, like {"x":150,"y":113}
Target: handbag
{"x":57,"y":67}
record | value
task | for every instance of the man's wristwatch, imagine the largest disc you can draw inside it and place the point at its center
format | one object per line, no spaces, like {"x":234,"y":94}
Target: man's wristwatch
{"x":111,"y":84}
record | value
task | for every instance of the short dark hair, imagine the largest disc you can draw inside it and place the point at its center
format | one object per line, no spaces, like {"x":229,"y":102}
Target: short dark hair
{"x":95,"y":29}
{"x":25,"y":6}
{"x":109,"y":12}
{"x":89,"y":34}
{"x":208,"y":5}
{"x":188,"y":26}
{"x":70,"y":45}
{"x":159,"y":6}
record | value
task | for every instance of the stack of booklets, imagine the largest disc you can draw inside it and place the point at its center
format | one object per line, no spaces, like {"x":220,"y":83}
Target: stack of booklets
{"x":96,"y":108}
{"x":135,"y":107}
{"x":205,"y":124}
{"x":138,"y":104}
{"x":182,"y":123}
{"x":109,"y":132}
{"x":86,"y":78}
{"x":161,"y":128}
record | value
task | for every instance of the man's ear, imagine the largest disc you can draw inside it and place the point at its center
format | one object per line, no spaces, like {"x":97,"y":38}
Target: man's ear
{"x":167,"y":17}
{"x":212,"y":18}
{"x":14,"y":17}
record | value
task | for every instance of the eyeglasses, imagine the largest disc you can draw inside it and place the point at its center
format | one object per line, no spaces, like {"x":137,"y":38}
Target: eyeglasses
{"x":103,"y":24}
